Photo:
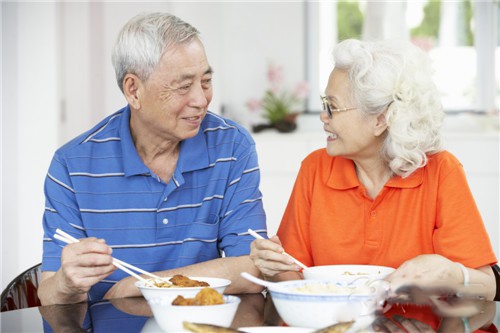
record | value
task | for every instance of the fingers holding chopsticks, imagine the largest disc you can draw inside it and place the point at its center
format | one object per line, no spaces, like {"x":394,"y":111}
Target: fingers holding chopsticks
{"x":269,"y":257}
{"x":84,"y":263}
{"x":126,"y":267}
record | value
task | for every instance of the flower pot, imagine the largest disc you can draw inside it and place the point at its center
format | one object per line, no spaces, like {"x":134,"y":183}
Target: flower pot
{"x":285,"y":126}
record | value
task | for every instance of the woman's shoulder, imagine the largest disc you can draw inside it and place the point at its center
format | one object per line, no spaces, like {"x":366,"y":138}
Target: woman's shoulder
{"x":320,"y":160}
{"x":317,"y":156}
{"x":443,"y":158}
{"x":443,"y":164}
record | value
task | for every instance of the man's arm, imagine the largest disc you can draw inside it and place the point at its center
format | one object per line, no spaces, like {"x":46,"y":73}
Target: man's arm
{"x":227,"y":268}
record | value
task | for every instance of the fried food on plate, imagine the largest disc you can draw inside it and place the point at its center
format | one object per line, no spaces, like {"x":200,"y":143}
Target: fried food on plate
{"x":206,"y":296}
{"x":178,"y":281}
{"x":207,"y":328}
{"x":184,"y":281}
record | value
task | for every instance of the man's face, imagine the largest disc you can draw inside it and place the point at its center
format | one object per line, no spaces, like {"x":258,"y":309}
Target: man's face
{"x":175,"y":98}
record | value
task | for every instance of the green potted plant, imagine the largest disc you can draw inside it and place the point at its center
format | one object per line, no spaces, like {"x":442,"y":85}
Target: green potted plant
{"x":279,"y":106}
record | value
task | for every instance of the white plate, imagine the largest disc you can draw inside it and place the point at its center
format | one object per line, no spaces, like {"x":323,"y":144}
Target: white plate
{"x":275,"y":329}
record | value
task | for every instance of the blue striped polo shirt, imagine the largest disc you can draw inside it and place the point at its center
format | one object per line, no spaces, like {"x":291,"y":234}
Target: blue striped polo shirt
{"x":98,"y":186}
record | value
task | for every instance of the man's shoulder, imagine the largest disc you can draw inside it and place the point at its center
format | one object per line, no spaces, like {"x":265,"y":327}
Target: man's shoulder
{"x":105,"y":130}
{"x":221,"y":127}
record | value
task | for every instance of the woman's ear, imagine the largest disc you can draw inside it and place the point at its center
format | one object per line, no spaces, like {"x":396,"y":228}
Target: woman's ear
{"x":380,"y":124}
{"x":132,"y":90}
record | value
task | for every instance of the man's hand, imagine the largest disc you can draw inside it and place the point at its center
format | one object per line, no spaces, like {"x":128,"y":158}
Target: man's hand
{"x":83,"y":264}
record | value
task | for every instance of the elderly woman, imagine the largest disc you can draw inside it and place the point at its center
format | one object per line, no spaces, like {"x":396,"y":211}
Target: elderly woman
{"x":383,"y":192}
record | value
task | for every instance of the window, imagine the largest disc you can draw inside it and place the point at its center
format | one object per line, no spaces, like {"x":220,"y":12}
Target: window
{"x":460,"y":37}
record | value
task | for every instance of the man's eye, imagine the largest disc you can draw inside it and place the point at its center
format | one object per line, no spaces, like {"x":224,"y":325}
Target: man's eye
{"x":206,"y":83}
{"x":184,"y":88}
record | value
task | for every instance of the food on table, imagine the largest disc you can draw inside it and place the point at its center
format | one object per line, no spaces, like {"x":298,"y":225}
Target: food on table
{"x":184,"y":281}
{"x":207,"y":328}
{"x":357,"y":273}
{"x":179,"y":281}
{"x":332,"y":288}
{"x":206,"y":296}
{"x":336,"y":328}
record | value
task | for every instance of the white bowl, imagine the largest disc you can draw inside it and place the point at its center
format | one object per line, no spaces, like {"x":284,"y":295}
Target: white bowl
{"x":170,"y":317}
{"x":169,"y":294}
{"x":347,"y":273}
{"x":326,"y":303}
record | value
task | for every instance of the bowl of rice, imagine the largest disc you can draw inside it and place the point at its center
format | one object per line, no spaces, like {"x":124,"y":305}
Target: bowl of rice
{"x":347,"y":274}
{"x":321,"y":303}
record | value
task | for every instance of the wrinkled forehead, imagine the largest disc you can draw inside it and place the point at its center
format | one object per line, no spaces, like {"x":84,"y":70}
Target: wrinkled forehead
{"x":184,"y":61}
{"x":338,"y":89}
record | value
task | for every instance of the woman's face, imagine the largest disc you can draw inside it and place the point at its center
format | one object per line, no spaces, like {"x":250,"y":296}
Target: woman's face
{"x":349,"y":133}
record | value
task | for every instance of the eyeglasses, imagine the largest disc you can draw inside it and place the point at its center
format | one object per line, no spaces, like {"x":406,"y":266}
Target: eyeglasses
{"x":328,"y":108}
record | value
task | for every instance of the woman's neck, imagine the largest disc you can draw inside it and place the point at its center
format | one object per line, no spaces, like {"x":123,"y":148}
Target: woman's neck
{"x":373,"y":175}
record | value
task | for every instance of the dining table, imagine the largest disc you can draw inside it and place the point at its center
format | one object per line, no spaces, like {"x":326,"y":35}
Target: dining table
{"x":256,"y":313}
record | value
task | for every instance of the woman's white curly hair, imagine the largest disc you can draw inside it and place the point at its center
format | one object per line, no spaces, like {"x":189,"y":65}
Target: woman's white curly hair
{"x":396,"y":76}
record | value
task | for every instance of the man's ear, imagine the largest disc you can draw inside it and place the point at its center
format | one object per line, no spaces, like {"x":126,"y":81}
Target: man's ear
{"x":380,"y":124}
{"x":132,"y":90}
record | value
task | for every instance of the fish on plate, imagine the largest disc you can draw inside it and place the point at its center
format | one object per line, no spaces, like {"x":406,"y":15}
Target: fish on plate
{"x":207,"y":328}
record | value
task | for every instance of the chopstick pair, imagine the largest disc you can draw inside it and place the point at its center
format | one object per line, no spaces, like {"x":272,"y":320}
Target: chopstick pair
{"x":68,"y":239}
{"x":256,"y":235}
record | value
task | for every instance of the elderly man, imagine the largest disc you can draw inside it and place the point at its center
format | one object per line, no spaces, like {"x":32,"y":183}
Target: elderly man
{"x":162,"y":184}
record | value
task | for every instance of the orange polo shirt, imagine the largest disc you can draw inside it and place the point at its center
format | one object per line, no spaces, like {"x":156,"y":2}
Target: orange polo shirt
{"x":331,"y":220}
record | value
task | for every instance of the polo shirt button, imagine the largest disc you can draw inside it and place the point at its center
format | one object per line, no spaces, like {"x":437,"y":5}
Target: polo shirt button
{"x":165,"y":221}
{"x":373,"y":213}
{"x":166,"y":198}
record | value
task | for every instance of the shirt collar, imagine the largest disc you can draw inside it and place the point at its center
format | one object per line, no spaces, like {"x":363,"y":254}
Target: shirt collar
{"x":343,"y":176}
{"x":194,"y":153}
{"x":192,"y":156}
{"x":132,"y":162}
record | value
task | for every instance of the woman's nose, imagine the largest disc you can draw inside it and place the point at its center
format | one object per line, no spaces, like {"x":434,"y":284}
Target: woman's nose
{"x":323,"y":117}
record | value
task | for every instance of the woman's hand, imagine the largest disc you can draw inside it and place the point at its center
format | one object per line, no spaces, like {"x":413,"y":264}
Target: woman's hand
{"x":440,"y":283}
{"x":267,"y":255}
{"x":424,"y":276}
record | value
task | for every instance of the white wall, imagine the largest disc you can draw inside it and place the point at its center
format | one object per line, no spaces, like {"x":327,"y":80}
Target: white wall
{"x":240,"y":38}
{"x":29,"y":128}
{"x":58,"y":81}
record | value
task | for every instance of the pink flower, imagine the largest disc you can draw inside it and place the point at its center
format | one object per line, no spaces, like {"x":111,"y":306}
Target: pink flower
{"x":275,"y":76}
{"x":301,"y":90}
{"x":254,"y":104}
{"x":278,"y":101}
